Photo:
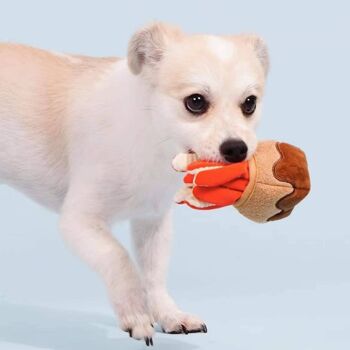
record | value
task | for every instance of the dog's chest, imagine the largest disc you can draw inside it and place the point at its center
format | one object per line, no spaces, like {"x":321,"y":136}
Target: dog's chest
{"x":144,"y":188}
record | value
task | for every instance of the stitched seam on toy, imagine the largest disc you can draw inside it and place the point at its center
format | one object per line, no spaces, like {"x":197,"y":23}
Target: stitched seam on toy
{"x":283,"y":186}
{"x":277,"y":207}
{"x":275,"y":173}
{"x":277,"y":177}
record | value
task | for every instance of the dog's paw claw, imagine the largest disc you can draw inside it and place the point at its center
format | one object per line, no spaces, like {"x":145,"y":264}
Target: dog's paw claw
{"x":139,"y":328}
{"x":173,"y":332}
{"x":183,"y":324}
{"x":149,"y":341}
{"x":198,"y":330}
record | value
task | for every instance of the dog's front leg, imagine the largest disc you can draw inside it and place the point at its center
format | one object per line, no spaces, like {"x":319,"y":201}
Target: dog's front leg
{"x":152,"y":238}
{"x":90,"y":237}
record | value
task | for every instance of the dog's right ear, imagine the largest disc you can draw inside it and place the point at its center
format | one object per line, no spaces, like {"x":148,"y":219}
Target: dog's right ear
{"x":147,"y":46}
{"x":261,"y":50}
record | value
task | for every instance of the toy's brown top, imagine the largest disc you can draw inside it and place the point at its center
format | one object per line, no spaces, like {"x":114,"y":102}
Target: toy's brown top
{"x":292,"y":168}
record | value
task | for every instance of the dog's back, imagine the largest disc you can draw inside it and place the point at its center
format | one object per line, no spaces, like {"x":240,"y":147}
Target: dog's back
{"x":36,"y":90}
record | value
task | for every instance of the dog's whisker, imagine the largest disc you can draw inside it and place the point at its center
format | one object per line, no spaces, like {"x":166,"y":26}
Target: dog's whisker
{"x":148,"y":108}
{"x":165,"y":140}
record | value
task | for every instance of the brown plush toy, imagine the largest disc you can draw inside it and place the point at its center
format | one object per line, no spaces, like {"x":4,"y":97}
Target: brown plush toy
{"x":265,"y":188}
{"x":278,"y":181}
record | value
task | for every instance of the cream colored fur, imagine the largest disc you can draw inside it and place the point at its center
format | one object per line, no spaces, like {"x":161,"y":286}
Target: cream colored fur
{"x":93,"y":139}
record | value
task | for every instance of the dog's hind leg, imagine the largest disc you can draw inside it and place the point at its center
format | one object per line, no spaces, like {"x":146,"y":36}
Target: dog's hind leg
{"x":152,"y":238}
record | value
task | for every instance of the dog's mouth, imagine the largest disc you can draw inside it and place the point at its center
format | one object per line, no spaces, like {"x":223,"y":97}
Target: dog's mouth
{"x":216,"y":159}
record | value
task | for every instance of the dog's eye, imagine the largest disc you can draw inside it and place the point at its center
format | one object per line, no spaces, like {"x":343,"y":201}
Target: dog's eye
{"x":196,"y":104}
{"x":249,"y":105}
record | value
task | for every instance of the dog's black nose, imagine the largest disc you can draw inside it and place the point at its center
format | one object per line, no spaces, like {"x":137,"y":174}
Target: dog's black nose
{"x":233,"y":150}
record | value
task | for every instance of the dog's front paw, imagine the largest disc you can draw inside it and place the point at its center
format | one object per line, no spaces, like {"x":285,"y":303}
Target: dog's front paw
{"x":170,"y":318}
{"x":180,"y":322}
{"x":134,"y":317}
{"x":139,"y":326}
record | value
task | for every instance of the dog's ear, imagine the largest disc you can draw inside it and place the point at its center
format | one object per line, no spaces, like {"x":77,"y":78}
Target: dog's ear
{"x":261,"y":50}
{"x":147,"y":46}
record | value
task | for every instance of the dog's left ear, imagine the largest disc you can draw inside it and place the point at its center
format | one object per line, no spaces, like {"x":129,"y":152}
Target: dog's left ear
{"x":260,"y":48}
{"x":147,"y":46}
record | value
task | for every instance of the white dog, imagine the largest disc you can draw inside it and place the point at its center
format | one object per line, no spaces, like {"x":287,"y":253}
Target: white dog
{"x":93,"y":139}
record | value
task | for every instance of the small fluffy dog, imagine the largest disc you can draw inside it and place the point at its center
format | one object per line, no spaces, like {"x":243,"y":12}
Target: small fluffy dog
{"x":93,"y":139}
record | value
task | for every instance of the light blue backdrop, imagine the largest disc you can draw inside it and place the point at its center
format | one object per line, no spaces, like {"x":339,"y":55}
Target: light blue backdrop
{"x":283,"y":285}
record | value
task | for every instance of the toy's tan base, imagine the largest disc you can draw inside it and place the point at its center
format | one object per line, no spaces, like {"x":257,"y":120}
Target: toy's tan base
{"x":279,"y":180}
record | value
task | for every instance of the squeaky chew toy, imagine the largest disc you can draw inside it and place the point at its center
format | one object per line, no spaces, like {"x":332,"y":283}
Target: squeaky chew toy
{"x":265,"y":188}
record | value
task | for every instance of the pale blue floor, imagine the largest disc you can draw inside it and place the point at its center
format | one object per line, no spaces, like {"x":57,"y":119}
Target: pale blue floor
{"x":293,"y":320}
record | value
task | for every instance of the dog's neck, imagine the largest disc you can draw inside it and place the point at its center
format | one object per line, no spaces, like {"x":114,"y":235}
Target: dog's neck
{"x":137,"y":95}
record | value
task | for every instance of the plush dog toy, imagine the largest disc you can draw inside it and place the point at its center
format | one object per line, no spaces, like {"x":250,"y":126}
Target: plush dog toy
{"x":265,"y":188}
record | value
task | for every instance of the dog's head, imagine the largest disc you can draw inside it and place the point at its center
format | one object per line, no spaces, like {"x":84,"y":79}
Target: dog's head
{"x":207,"y":90}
